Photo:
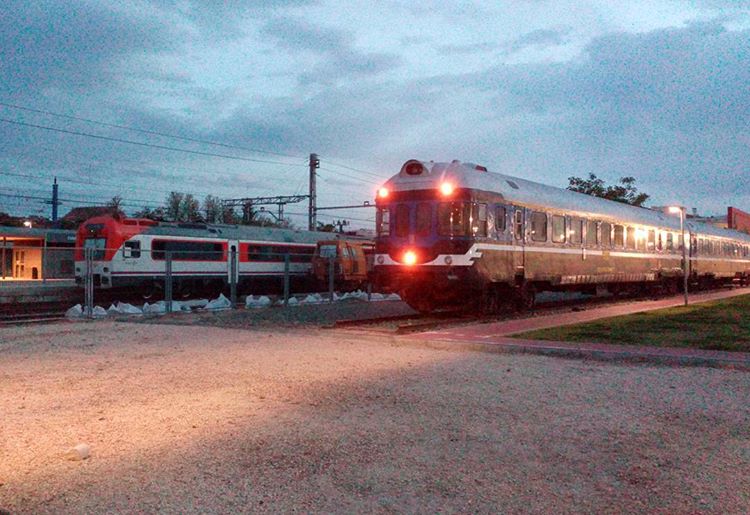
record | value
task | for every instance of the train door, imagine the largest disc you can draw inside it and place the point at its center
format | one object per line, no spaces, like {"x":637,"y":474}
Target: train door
{"x":233,"y":261}
{"x":519,"y":240}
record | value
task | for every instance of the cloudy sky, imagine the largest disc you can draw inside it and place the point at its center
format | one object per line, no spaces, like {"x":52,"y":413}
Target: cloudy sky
{"x":656,"y":89}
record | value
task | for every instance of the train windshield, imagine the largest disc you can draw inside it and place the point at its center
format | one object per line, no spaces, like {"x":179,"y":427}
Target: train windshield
{"x":454,"y":218}
{"x":98,"y":244}
{"x":328,"y":251}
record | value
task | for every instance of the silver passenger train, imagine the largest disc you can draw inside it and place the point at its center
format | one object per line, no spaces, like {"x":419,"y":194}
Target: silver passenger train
{"x":455,"y":234}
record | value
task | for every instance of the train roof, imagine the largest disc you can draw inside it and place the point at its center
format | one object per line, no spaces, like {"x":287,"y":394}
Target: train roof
{"x":419,"y":175}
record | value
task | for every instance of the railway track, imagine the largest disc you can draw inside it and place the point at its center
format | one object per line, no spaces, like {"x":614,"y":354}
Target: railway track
{"x":406,"y":324}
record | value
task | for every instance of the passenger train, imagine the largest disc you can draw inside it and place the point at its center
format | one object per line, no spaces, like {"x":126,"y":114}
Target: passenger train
{"x":131,"y":253}
{"x":455,"y":234}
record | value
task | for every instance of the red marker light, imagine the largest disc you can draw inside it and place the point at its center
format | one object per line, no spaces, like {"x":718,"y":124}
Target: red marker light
{"x":446,"y":189}
{"x":383,"y":192}
{"x":410,"y":258}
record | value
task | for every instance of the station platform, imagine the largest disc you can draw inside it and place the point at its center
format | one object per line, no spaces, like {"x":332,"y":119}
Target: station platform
{"x":49,"y":290}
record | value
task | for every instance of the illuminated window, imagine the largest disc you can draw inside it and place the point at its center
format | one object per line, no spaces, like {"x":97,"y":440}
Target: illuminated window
{"x":630,"y":238}
{"x":453,"y":218}
{"x":619,"y":236}
{"x":606,"y":235}
{"x":575,"y":232}
{"x":558,"y":229}
{"x":479,"y":220}
{"x":538,"y":226}
{"x":518,"y":224}
{"x":651,"y":240}
{"x":670,"y":242}
{"x":592,"y":234}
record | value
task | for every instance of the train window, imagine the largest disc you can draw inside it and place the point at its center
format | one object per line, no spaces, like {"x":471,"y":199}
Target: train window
{"x":575,"y":231}
{"x":424,"y":219}
{"x":606,"y":235}
{"x":592,"y":234}
{"x":98,"y":244}
{"x":670,"y":242}
{"x":300,"y":254}
{"x":402,"y":222}
{"x":500,"y":223}
{"x":453,"y":218}
{"x":188,"y":250}
{"x":630,"y":238}
{"x":518,"y":224}
{"x":619,"y":236}
{"x":538,"y":226}
{"x":558,"y":229}
{"x":131,"y":249}
{"x":479,"y":220}
{"x":383,"y":221}
{"x":651,"y":240}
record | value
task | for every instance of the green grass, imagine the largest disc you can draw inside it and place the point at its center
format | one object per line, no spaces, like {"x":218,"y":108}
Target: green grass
{"x":717,"y":325}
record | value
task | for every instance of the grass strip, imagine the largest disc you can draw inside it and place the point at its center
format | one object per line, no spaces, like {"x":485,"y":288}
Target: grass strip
{"x":717,"y":325}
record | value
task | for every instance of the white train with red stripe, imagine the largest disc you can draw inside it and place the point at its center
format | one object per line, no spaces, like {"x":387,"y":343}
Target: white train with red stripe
{"x":454,"y":233}
{"x":131,"y":253}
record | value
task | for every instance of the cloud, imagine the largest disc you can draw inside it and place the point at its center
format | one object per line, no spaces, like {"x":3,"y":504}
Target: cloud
{"x":467,"y":49}
{"x":540,"y":38}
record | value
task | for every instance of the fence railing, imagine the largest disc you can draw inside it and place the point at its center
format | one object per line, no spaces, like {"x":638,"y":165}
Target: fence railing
{"x":170,"y":269}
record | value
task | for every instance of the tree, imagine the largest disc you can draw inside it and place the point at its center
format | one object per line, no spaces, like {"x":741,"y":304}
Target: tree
{"x":157,"y":214}
{"x":229,"y":216}
{"x":212,"y":209}
{"x":190,"y":209}
{"x":115,"y":206}
{"x":173,"y":205}
{"x":625,"y":191}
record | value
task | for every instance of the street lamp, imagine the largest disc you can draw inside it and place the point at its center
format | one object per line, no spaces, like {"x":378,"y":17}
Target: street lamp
{"x":681,"y":211}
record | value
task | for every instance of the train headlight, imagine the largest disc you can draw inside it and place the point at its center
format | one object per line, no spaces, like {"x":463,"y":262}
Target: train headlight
{"x":446,"y":189}
{"x":383,"y":193}
{"x":410,"y":258}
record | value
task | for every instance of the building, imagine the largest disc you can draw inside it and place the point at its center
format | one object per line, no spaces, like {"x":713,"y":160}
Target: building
{"x":34,"y":253}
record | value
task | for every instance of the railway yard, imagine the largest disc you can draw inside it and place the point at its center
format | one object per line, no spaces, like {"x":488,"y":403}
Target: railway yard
{"x":367,"y":406}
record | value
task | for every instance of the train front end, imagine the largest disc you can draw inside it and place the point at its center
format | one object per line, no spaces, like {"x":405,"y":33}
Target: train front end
{"x":429,"y":221}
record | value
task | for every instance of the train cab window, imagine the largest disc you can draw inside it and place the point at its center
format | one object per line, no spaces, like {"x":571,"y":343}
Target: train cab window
{"x":402,"y":222}
{"x":479,"y":220}
{"x":606,"y":235}
{"x":630,"y":238}
{"x":619,"y":236}
{"x":98,"y":245}
{"x":518,"y":224}
{"x":500,"y":222}
{"x":131,"y":249}
{"x":575,"y":231}
{"x":453,"y":218}
{"x":651,"y":240}
{"x":538,"y":226}
{"x":558,"y":229}
{"x":424,"y":219}
{"x":592,"y":234}
{"x":383,"y":221}
{"x":670,"y":242}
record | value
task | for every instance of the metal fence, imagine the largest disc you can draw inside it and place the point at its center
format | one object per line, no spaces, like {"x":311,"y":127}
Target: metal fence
{"x":284,"y":273}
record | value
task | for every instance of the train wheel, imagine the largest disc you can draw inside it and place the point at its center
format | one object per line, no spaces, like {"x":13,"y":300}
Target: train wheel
{"x":152,"y":291}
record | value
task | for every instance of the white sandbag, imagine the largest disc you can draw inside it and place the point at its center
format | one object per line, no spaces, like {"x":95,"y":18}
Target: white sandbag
{"x":74,"y":312}
{"x":128,"y":309}
{"x":257,"y":302}
{"x":313,"y":298}
{"x":221,"y":303}
{"x":155,"y":308}
{"x":99,"y":312}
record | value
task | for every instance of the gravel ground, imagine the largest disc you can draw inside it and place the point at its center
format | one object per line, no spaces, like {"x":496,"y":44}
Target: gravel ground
{"x":203,"y":419}
{"x":293,"y":316}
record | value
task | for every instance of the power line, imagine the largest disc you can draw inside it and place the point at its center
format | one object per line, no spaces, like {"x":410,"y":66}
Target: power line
{"x":140,"y":143}
{"x":367,"y":181}
{"x":333,"y":163}
{"x":146,"y":131}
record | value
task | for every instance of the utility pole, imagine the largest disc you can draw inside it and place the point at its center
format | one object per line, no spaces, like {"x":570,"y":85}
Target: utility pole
{"x":55,"y":202}
{"x":312,"y":210}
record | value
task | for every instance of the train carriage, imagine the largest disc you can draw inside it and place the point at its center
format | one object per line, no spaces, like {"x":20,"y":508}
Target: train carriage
{"x":131,"y":253}
{"x":452,"y":234}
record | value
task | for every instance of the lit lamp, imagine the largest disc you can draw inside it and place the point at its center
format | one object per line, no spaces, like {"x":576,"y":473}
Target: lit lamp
{"x":681,"y":211}
{"x":27,"y":224}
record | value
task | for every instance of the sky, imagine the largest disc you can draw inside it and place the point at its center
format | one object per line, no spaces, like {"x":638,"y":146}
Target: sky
{"x":139,"y":98}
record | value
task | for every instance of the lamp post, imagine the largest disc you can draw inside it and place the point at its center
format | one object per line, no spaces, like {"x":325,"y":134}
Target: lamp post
{"x":681,"y":211}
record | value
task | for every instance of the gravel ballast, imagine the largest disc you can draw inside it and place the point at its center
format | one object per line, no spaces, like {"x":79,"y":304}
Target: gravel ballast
{"x":191,"y":418}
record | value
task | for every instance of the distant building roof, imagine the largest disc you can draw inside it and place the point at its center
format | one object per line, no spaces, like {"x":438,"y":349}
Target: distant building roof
{"x":80,"y":214}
